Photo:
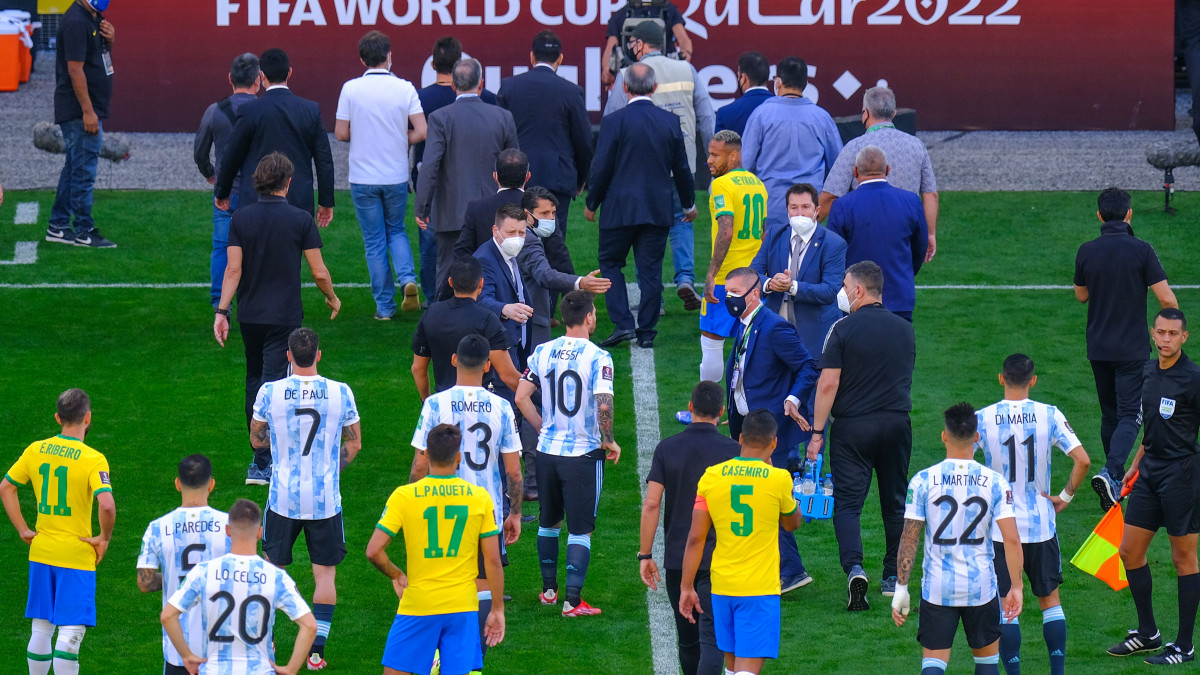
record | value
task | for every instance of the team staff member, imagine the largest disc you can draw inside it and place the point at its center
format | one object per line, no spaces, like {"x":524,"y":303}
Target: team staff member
{"x":1167,"y":491}
{"x":866,"y":385}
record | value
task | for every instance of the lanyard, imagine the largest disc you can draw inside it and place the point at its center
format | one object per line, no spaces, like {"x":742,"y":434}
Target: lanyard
{"x":881,"y":125}
{"x":741,"y":350}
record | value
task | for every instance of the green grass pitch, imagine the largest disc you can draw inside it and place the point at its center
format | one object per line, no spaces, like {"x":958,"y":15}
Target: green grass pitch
{"x":161,"y":388}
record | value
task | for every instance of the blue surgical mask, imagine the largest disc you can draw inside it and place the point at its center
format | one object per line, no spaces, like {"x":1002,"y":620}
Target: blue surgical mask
{"x":736,"y":304}
{"x":544,"y":227}
{"x":98,"y":5}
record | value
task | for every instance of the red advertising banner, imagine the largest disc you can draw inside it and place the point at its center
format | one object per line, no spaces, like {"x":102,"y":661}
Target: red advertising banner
{"x":962,"y":64}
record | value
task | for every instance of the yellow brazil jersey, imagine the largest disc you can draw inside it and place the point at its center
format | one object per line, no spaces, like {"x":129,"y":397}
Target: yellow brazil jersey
{"x":443,"y":518}
{"x":742,"y":196}
{"x":66,"y":475}
{"x":745,"y":497}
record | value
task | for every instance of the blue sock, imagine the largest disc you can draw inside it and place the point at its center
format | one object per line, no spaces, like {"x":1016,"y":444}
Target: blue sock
{"x":579,"y":553}
{"x":987,"y":665}
{"x":1010,"y":645}
{"x":547,"y":548}
{"x":485,"y":607}
{"x":1054,"y":629}
{"x":933,"y":667}
{"x":324,"y":616}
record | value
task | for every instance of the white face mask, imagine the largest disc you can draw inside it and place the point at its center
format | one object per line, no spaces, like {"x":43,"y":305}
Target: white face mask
{"x":545,"y":227}
{"x":512,"y":246}
{"x":843,"y":301}
{"x":802,"y":225}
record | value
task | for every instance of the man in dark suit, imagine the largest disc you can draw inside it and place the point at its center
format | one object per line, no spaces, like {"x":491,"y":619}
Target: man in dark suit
{"x":641,"y":161}
{"x":552,"y":126}
{"x":511,"y":174}
{"x":769,"y":368}
{"x":886,"y":225}
{"x":802,"y":266}
{"x":752,"y":75}
{"x":463,"y":141}
{"x":282,"y":122}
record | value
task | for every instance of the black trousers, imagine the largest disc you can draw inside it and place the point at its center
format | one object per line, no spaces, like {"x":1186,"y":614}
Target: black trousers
{"x":561,"y":214}
{"x":445,"y":255}
{"x":266,"y":361}
{"x":649,"y":244}
{"x":698,"y":653}
{"x":1119,"y":388}
{"x":879,"y":443}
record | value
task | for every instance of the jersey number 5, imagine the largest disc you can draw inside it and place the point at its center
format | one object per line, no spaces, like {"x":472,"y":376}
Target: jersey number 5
{"x":736,"y":493}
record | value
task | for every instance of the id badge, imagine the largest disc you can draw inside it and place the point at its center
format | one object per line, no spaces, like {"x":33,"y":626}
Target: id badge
{"x":734,"y":378}
{"x":108,"y":66}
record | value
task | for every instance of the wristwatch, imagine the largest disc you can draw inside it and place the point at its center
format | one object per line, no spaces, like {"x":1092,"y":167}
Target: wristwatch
{"x":645,"y":556}
{"x":222,"y":312}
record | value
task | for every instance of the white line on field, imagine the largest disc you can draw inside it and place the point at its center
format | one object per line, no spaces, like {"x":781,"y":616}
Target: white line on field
{"x":27,"y":213}
{"x":24,"y":253}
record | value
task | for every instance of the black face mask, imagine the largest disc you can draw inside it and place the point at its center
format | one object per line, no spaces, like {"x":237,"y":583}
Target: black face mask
{"x":736,"y":305}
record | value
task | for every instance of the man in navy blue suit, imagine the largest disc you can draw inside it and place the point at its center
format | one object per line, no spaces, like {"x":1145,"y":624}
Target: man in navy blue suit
{"x":769,"y":368}
{"x":641,"y":162}
{"x":886,"y":225}
{"x":752,"y":75}
{"x":281,"y":122}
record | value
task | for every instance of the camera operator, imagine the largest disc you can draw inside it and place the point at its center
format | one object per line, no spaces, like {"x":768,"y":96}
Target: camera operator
{"x":665,"y":10}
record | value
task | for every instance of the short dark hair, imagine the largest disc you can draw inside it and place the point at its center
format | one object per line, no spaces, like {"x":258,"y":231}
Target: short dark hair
{"x":546,"y":47}
{"x":473,"y":351}
{"x":575,"y":307}
{"x":244,"y":70}
{"x":442,"y":442}
{"x":707,"y":399}
{"x":745,"y":273}
{"x":1172,"y":314}
{"x":799,"y":189}
{"x":1113,"y":204}
{"x":373,"y":48}
{"x":275,"y":65}
{"x":73,"y":405}
{"x":792,"y":71}
{"x":304,"y":344}
{"x":465,"y":274}
{"x":507,"y":211}
{"x":446,"y":52}
{"x":466,"y":75}
{"x":512,"y":166}
{"x":244,"y":514}
{"x":758,"y":428}
{"x":1018,"y":370}
{"x":755,"y":67}
{"x":195,"y":471}
{"x":868,"y":274}
{"x":961,"y":423}
{"x":535,"y":195}
{"x":272,"y":173}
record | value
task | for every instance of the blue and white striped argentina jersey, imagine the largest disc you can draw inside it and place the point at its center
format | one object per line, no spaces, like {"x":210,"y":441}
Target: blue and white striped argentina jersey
{"x":237,"y":597}
{"x":570,"y":373}
{"x":175,"y":543}
{"x":1016,"y":438}
{"x":489,"y":429}
{"x":959,"y":500}
{"x":306,"y":415}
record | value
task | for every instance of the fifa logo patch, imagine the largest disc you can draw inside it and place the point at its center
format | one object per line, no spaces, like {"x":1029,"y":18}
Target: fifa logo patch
{"x":104,"y":478}
{"x":1166,"y":407}
{"x":719,"y":201}
{"x":607,"y":373}
{"x":908,"y":499}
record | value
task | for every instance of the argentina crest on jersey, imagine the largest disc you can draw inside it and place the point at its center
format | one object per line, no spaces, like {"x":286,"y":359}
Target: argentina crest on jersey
{"x":1166,"y":407}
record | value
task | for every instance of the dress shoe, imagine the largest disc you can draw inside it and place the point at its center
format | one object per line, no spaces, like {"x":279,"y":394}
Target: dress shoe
{"x":691,"y":300}
{"x":646,"y":344}
{"x":617,"y":337}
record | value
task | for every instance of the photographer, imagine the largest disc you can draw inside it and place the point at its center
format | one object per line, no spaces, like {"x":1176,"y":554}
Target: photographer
{"x":653,"y":9}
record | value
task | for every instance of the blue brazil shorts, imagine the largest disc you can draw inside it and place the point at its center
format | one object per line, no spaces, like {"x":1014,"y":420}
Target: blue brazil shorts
{"x":413,"y":639}
{"x":747,"y":626}
{"x":715,"y":319}
{"x":61,"y":595}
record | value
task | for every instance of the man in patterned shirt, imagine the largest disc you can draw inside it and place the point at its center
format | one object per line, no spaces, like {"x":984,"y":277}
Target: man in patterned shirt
{"x":311,"y":425}
{"x":964,"y":501}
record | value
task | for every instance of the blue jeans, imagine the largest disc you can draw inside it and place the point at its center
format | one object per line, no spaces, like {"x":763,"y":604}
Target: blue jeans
{"x":74,"y":196}
{"x":683,"y":246}
{"x":380,"y":211}
{"x":427,"y":241}
{"x":220,"y":242}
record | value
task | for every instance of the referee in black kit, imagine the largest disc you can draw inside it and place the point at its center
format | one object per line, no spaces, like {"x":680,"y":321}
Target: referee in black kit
{"x":866,"y":384}
{"x":1167,"y":492}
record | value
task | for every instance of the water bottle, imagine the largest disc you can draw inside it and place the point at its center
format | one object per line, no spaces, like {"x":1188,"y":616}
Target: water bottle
{"x":808,"y":484}
{"x":797,"y":482}
{"x":827,"y":485}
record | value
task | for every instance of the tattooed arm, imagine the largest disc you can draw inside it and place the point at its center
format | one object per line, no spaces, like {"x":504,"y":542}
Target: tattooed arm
{"x":909,"y":540}
{"x":351,"y":443}
{"x":149,"y":580}
{"x":604,"y":415}
{"x":260,"y":434}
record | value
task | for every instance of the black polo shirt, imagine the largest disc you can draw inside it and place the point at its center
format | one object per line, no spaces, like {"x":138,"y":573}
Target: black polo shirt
{"x":1171,"y":409}
{"x":444,"y":324}
{"x":679,"y":462}
{"x":1117,"y":268}
{"x":876,"y":351}
{"x":273,"y":236}
{"x":79,"y":40}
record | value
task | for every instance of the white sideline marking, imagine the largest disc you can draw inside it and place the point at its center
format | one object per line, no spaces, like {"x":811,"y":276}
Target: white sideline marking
{"x":633,"y":294}
{"x":27,"y":213}
{"x":24,"y":253}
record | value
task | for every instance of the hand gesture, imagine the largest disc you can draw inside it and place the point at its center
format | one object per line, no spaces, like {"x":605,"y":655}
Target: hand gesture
{"x":99,"y":544}
{"x":780,"y":283}
{"x":108,"y":32}
{"x":793,"y":412}
{"x":688,"y":601}
{"x":517,"y":312}
{"x":650,"y":575}
{"x":594,"y":283}
{"x":1058,"y":503}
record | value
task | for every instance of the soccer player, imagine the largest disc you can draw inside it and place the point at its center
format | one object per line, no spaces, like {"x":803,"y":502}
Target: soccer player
{"x":489,"y":433}
{"x":65,"y":475}
{"x":177,"y":542}
{"x":312,"y":427}
{"x":443,"y":518}
{"x":240,"y":593}
{"x":576,"y":382}
{"x":1016,"y":436}
{"x":965,"y":501}
{"x":1165,"y":494}
{"x":745,"y":500}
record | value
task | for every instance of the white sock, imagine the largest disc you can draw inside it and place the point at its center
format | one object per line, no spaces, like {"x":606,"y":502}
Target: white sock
{"x":66,"y":650}
{"x":39,"y":652}
{"x":727,"y":671}
{"x":712,"y":361}
{"x":744,"y":672}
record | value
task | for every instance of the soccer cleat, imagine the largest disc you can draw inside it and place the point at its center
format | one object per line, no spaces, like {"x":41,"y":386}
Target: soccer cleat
{"x":61,"y":236}
{"x":1106,"y":488}
{"x":93,"y":240}
{"x":1135,"y":642}
{"x":411,"y":301}
{"x":792,"y":583}
{"x":316,"y":662}
{"x":436,"y":668}
{"x":1171,"y":655}
{"x":582,"y":609}
{"x":888,"y":586}
{"x":549,"y":597}
{"x":257,"y":476}
{"x":856,"y":590}
{"x":687,"y":293}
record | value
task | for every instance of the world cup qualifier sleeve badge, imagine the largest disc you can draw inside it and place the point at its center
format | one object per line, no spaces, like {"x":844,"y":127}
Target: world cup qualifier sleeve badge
{"x":1166,"y":407}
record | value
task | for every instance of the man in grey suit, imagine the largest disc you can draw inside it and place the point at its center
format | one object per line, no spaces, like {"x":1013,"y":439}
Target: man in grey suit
{"x":460,"y":153}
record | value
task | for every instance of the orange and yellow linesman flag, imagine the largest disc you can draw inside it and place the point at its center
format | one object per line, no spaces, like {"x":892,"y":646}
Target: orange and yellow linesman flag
{"x":1098,"y":556}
